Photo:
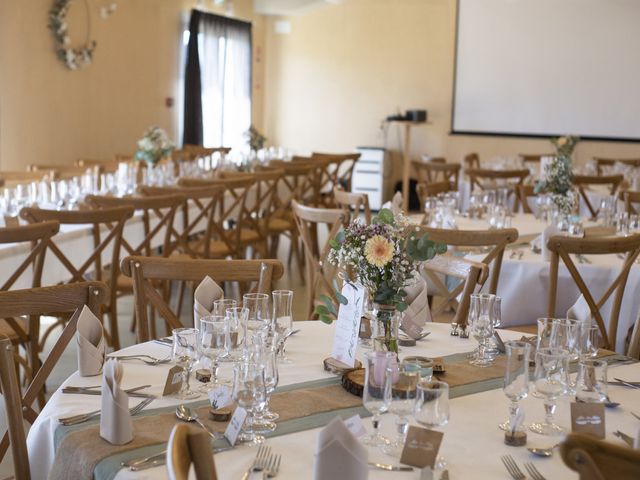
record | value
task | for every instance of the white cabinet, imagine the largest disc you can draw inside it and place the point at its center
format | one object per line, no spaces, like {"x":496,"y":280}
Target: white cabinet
{"x":371,"y":175}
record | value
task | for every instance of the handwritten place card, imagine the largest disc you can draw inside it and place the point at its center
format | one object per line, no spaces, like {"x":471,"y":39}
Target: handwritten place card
{"x":220,"y":396}
{"x":174,"y":381}
{"x":235,"y":424}
{"x":421,"y":447}
{"x":588,"y":418}
{"x":345,"y":342}
{"x":355,"y":426}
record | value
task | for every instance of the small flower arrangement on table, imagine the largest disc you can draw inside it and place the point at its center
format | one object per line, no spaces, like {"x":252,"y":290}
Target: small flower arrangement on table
{"x":559,"y":175}
{"x":382,"y":257}
{"x":154,"y":146}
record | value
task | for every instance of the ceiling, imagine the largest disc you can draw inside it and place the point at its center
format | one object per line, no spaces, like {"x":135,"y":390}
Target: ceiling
{"x":289,"y":7}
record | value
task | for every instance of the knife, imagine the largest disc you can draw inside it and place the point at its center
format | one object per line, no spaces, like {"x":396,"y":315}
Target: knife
{"x":627,"y":383}
{"x":624,"y":437}
{"x":391,"y":468}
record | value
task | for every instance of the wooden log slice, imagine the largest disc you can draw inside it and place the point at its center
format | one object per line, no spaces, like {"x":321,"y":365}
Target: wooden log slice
{"x":353,"y":382}
{"x":339,"y":368}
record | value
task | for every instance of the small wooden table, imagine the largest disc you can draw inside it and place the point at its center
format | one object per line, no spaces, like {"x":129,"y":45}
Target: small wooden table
{"x":406,"y":160}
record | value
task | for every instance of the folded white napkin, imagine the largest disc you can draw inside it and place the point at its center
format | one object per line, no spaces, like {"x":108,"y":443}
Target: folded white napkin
{"x":203,"y":298}
{"x":340,"y":454}
{"x":418,"y":313}
{"x":115,"y":420}
{"x":396,"y":203}
{"x":91,"y":344}
{"x":580,"y":311}
{"x":547,"y":233}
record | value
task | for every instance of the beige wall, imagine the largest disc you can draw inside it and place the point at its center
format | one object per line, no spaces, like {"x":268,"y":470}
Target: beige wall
{"x":345,"y":67}
{"x":51,"y":115}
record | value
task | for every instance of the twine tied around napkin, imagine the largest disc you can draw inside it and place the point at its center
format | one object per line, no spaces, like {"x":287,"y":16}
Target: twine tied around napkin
{"x":115,"y":420}
{"x":91,"y":344}
{"x":203,"y":298}
{"x":339,"y":454}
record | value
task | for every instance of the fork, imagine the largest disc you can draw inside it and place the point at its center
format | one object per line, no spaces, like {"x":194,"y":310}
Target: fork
{"x":512,"y":467}
{"x":259,"y":462}
{"x":273,"y":466}
{"x":533,"y":471}
{"x":76,"y":419}
{"x":143,"y":358}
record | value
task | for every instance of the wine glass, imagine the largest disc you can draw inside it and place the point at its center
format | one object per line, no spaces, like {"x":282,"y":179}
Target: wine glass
{"x":376,"y":394}
{"x":550,"y":381}
{"x":543,"y":340}
{"x":403,"y":400}
{"x":492,"y":346}
{"x":432,"y":408}
{"x":258,"y":321}
{"x":565,"y":335}
{"x":214,"y":345}
{"x":220,"y":306}
{"x":591,"y":382}
{"x":591,"y":340}
{"x":282,"y":318}
{"x":516,"y":377}
{"x":481,"y":326}
{"x":185,"y":347}
{"x":237,"y":327}
{"x":250,"y":393}
{"x":268,"y":357}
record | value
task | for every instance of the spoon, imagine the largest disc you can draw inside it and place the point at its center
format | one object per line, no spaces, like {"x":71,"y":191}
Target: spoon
{"x":185,"y":414}
{"x":543,"y":452}
{"x":610,"y":404}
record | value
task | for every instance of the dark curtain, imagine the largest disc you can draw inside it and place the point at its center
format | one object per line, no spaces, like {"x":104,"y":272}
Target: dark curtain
{"x":193,"y":86}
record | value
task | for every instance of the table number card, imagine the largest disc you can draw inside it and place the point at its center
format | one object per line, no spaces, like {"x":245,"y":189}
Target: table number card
{"x":421,"y":447}
{"x":588,"y":418}
{"x":235,"y":424}
{"x":174,"y":381}
{"x":345,"y":342}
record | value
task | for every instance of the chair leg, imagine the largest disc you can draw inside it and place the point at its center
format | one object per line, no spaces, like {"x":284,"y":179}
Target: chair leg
{"x":180,"y":297}
{"x":113,"y":325}
{"x":275,"y":241}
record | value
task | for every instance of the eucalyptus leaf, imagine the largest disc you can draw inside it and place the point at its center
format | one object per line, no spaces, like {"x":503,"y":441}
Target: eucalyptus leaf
{"x":341,"y":298}
{"x":401,"y":306}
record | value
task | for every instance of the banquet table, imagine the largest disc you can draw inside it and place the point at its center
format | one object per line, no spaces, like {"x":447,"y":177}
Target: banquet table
{"x":472,"y":444}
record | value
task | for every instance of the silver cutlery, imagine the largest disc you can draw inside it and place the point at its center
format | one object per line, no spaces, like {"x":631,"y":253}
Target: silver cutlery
{"x":543,"y":451}
{"x":620,"y":256}
{"x":624,"y":437}
{"x":273,"y":466}
{"x":140,"y":461}
{"x":627,"y":384}
{"x":635,"y":415}
{"x":533,"y":471}
{"x":93,"y":391}
{"x":185,"y":414}
{"x":167,"y":342}
{"x":390,"y":468}
{"x":148,"y":359}
{"x":76,"y":419}
{"x":157,"y":460}
{"x":259,"y":462}
{"x":144,"y":466}
{"x":512,"y":467}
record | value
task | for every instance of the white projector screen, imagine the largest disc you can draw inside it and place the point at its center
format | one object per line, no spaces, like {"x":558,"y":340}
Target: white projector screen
{"x":548,"y":67}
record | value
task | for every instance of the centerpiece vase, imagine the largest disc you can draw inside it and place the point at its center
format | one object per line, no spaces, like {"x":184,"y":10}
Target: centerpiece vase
{"x":385,"y":323}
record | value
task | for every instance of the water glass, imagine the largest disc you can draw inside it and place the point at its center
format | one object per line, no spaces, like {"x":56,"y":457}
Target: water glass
{"x":237,"y":328}
{"x":432,"y":409}
{"x":282,"y":318}
{"x":376,"y":395}
{"x":268,"y":357}
{"x":250,"y":393}
{"x":221,"y":306}
{"x":591,"y":382}
{"x":592,"y":341}
{"x":185,"y":354}
{"x":258,"y":322}
{"x":516,"y":378}
{"x":214,"y":345}
{"x":481,"y":326}
{"x":550,"y":382}
{"x":545,"y":328}
{"x":403,"y":399}
{"x":565,"y":335}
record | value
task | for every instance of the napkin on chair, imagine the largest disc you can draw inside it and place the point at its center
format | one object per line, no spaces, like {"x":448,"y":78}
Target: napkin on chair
{"x":541,"y":241}
{"x":203,"y":298}
{"x":91,"y":344}
{"x":418,"y":312}
{"x":340,"y":454}
{"x":580,"y":311}
{"x":115,"y":420}
{"x":396,"y":203}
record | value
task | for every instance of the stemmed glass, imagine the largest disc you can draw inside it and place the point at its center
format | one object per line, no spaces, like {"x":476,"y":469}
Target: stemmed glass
{"x":250,"y":393}
{"x":550,"y":381}
{"x":185,"y":347}
{"x":516,"y":377}
{"x":258,"y":320}
{"x":376,"y":395}
{"x":269,"y":359}
{"x":214,"y":345}
{"x":565,"y":335}
{"x":591,"y":383}
{"x":221,"y":306}
{"x":403,"y":400}
{"x":481,"y":326}
{"x":432,"y":408}
{"x":237,"y":329}
{"x":282,"y":319}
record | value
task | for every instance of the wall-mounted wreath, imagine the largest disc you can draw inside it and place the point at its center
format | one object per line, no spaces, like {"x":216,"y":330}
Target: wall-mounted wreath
{"x":73,"y":58}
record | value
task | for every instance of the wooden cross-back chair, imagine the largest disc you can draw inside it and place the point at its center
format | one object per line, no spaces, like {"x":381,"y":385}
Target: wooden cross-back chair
{"x":610,"y":162}
{"x":146,"y":271}
{"x":353,"y":202}
{"x":426,"y":190}
{"x":339,"y":171}
{"x":20,"y":330}
{"x":11,"y":179}
{"x":68,"y":298}
{"x":432,"y":171}
{"x":495,"y":241}
{"x":629,"y":197}
{"x":233,"y":226}
{"x":188,"y":446}
{"x":487,"y":179}
{"x":471,"y":161}
{"x":562,"y":247}
{"x":307,"y":218}
{"x":473,"y":275}
{"x":106,"y":227}
{"x":525,"y":192}
{"x":65,"y":172}
{"x":596,"y":459}
{"x":583,"y":182}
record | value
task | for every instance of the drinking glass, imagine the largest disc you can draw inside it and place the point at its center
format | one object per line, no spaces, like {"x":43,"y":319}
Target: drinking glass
{"x":282,"y":318}
{"x":516,"y":377}
{"x":220,"y":306}
{"x":268,"y":357}
{"x":237,"y":328}
{"x":376,"y":395}
{"x":550,"y":381}
{"x":496,"y":317}
{"x":185,"y":348}
{"x":481,"y":326}
{"x":432,"y":408}
{"x":591,"y":382}
{"x":403,"y":400}
{"x":258,"y":321}
{"x":565,"y":335}
{"x":622,"y":224}
{"x":543,"y":340}
{"x":592,"y":340}
{"x":249,"y":392}
{"x":214,"y":345}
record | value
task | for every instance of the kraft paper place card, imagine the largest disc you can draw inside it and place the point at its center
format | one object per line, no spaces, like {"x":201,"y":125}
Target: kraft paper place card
{"x":235,"y":424}
{"x":588,"y":418}
{"x":345,"y":341}
{"x":173,"y":382}
{"x":421,"y":447}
